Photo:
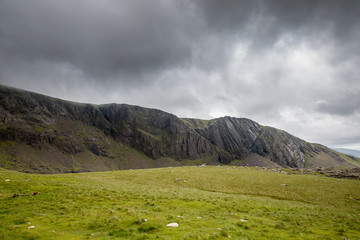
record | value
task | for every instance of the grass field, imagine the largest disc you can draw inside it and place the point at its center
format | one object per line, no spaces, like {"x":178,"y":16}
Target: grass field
{"x":206,"y":202}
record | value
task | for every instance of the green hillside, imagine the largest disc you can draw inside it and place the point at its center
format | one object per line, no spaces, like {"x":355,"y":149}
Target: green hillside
{"x":206,"y":202}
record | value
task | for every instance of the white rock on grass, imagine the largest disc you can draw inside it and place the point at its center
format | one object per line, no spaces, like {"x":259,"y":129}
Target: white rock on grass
{"x":174,"y":224}
{"x":243,"y":220}
{"x":31,"y":227}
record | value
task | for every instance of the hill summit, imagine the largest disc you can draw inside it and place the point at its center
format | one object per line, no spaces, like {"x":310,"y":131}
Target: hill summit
{"x":48,"y":135}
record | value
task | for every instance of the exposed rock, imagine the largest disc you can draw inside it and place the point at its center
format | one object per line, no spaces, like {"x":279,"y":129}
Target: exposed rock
{"x":234,"y":135}
{"x":174,"y":224}
{"x":281,"y":147}
{"x":23,"y":195}
{"x":353,"y":173}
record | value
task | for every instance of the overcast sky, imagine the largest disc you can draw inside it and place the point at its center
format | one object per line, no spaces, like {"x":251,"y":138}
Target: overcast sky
{"x":291,"y":64}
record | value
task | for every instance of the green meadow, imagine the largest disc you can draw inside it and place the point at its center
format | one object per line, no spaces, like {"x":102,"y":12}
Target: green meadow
{"x":207,"y":203}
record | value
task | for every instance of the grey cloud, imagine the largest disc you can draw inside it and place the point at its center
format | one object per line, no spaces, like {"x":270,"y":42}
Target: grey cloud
{"x":99,"y":38}
{"x":228,"y":14}
{"x":264,"y":21}
{"x":130,"y":37}
{"x":347,"y":104}
{"x":344,"y":141}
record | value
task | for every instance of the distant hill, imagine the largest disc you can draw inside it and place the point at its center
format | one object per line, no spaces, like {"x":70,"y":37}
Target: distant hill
{"x":352,"y":152}
{"x":48,"y":135}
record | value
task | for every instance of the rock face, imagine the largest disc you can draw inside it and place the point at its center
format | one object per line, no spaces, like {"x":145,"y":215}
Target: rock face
{"x":234,"y":135}
{"x":154,"y":132}
{"x":44,"y":134}
{"x":281,"y":147}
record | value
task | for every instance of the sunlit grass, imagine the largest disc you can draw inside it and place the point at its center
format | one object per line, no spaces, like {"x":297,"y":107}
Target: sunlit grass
{"x":207,"y":202}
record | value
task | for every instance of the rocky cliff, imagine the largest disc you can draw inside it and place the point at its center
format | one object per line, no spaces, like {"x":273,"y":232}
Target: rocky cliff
{"x":44,"y":134}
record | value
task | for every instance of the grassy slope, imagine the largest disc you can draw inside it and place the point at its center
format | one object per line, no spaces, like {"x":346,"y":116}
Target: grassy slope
{"x":349,"y":158}
{"x":137,"y":204}
{"x":323,"y":159}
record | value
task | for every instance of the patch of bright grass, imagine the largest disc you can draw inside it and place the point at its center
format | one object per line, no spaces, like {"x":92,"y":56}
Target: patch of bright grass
{"x":206,"y":202}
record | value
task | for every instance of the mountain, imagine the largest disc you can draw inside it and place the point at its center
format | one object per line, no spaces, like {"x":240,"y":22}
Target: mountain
{"x":352,"y":152}
{"x":48,"y":135}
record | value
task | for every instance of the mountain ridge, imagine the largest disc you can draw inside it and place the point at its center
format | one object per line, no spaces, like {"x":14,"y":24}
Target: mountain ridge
{"x":44,"y":134}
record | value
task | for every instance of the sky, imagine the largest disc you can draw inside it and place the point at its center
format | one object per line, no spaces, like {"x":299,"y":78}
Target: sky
{"x":290,"y":64}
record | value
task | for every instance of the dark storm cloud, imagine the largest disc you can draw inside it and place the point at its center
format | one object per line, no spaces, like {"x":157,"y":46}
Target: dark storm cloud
{"x":111,"y":37}
{"x":285,"y":62}
{"x":264,"y":21}
{"x":101,"y":38}
{"x":107,"y":39}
